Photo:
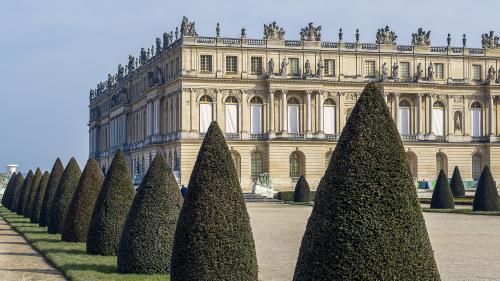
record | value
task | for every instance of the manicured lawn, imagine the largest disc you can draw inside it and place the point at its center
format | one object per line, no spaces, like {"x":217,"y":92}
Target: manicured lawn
{"x":70,"y":258}
{"x":467,"y":201}
{"x":460,"y":211}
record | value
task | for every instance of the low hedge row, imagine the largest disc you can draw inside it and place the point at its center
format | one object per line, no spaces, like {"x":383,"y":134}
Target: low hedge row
{"x":288,"y":195}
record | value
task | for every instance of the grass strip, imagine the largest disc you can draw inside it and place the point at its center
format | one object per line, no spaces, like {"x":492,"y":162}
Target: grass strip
{"x":71,"y":258}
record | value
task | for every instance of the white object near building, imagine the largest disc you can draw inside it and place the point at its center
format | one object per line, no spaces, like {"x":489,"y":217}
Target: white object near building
{"x":263,"y":186}
{"x":11,"y":168}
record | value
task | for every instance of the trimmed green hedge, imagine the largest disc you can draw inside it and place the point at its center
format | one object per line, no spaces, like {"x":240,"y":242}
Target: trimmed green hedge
{"x":442,"y":198}
{"x":76,"y":223}
{"x":486,"y":197}
{"x":366,"y":223}
{"x":456,"y":184}
{"x":28,"y":205}
{"x":111,"y":209}
{"x":8,"y":189}
{"x":16,"y":190}
{"x":302,"y":192}
{"x":23,"y":194}
{"x":37,"y":201}
{"x":148,"y":234}
{"x":213,"y":239}
{"x":63,"y":196}
{"x":50,"y":190}
{"x":288,"y":195}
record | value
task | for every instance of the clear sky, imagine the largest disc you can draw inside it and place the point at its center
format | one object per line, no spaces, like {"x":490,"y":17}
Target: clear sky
{"x":55,"y":51}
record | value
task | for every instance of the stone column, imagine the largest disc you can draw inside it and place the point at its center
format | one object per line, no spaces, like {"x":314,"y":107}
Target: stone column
{"x":148,"y":119}
{"x":284,"y":117}
{"x":157,"y":116}
{"x":419,"y":115}
{"x":396,"y":113}
{"x":431,"y":102}
{"x":308,"y":112}
{"x":490,"y":116}
{"x":319,"y":99}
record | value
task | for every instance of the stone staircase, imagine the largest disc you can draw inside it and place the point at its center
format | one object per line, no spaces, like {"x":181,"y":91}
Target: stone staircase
{"x":251,"y":197}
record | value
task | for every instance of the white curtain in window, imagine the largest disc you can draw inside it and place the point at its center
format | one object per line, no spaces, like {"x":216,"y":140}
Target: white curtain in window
{"x":404,"y":120}
{"x":438,"y":121}
{"x":293,"y":119}
{"x":256,"y":119}
{"x":231,"y":118}
{"x":476,"y":122}
{"x":329,"y":119}
{"x":205,"y":116}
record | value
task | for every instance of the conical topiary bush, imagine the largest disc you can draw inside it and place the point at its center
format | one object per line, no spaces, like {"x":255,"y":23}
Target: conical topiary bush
{"x":111,"y":209}
{"x":28,"y":181}
{"x":76,"y":224}
{"x":302,"y":192}
{"x":148,"y":234}
{"x":442,"y":198}
{"x":37,"y":201}
{"x":456,"y":184}
{"x":31,"y":194}
{"x":8,"y":189}
{"x":62,"y":197}
{"x":213,"y":239}
{"x":366,"y":223}
{"x":486,"y":197}
{"x":16,"y":190}
{"x":50,"y":190}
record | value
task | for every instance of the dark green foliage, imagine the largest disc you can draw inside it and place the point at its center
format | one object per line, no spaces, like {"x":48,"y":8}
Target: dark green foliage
{"x":366,"y":223}
{"x":111,"y":209}
{"x":62,"y":197}
{"x":442,"y":198}
{"x":50,"y":190}
{"x":213,"y":239}
{"x":16,"y":190}
{"x":37,"y":201}
{"x":288,"y":195}
{"x":486,"y":197}
{"x":31,"y":194}
{"x":76,"y":224}
{"x":23,"y":195}
{"x":148,"y":234}
{"x":456,"y":184}
{"x":8,"y":190}
{"x":302,"y":191}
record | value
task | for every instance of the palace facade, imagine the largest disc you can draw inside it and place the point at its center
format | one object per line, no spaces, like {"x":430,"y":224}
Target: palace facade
{"x":283,"y":103}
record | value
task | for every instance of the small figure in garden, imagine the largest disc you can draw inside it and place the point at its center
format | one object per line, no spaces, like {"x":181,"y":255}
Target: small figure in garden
{"x":184,"y":191}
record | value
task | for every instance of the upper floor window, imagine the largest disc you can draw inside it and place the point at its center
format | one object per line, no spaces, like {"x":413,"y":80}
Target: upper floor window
{"x":405,"y":69}
{"x":256,"y":65}
{"x":329,"y":67}
{"x":439,"y":70}
{"x":370,"y":68}
{"x":177,"y":65}
{"x":476,"y":72}
{"x":231,"y":64}
{"x":206,"y":63}
{"x":294,"y":66}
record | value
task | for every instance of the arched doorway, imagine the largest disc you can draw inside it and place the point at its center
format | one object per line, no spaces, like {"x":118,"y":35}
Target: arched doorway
{"x":438,"y":118}
{"x":441,"y":163}
{"x":411,"y":157}
{"x":297,"y":164}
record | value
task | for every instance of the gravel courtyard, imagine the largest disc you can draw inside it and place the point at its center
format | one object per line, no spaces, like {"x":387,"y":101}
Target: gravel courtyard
{"x":466,"y":246}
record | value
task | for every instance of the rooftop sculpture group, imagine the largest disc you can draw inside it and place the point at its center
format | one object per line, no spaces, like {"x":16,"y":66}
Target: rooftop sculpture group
{"x":273,"y":31}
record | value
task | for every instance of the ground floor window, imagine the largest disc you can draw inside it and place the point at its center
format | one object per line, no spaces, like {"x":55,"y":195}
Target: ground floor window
{"x":476,"y":167}
{"x":256,"y":165}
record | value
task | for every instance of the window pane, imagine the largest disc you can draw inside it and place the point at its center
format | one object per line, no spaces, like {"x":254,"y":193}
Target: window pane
{"x":256,"y":65}
{"x":439,"y":70}
{"x":404,"y":121}
{"x":205,"y":116}
{"x":329,"y":119}
{"x":476,"y":122}
{"x":405,"y":69}
{"x":329,"y":67}
{"x":256,"y":165}
{"x":370,"y":68}
{"x":294,"y":66}
{"x":476,"y":167}
{"x":231,"y":118}
{"x":205,"y":63}
{"x":293,"y":119}
{"x":476,"y":72}
{"x":256,"y":119}
{"x":294,"y":166}
{"x":231,"y":64}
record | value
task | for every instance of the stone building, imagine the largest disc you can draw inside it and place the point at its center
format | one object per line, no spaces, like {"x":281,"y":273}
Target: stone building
{"x":283,"y":103}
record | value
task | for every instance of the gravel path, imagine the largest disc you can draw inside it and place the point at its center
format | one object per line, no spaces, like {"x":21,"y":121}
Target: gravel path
{"x":20,"y":262}
{"x":466,"y":247}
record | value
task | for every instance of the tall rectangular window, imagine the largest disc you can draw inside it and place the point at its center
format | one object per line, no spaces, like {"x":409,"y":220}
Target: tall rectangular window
{"x":405,"y":69}
{"x":439,"y":70}
{"x":177,"y":65}
{"x":206,"y":63}
{"x":256,"y":65}
{"x":370,"y":69}
{"x":231,"y":64}
{"x":329,"y":67}
{"x":293,"y":63}
{"x":476,"y":72}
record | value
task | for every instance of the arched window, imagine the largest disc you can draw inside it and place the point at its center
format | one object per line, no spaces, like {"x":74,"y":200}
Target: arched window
{"x":476,"y":166}
{"x":328,"y":156}
{"x":441,"y":163}
{"x":231,"y":114}
{"x":411,"y":157}
{"x":329,"y":123}
{"x":438,"y":118}
{"x":256,"y":115}
{"x":256,"y":164}
{"x":236,"y":160}
{"x":205,"y":113}
{"x":296,"y":165}
{"x":476,"y":119}
{"x":404,"y":117}
{"x":293,"y":116}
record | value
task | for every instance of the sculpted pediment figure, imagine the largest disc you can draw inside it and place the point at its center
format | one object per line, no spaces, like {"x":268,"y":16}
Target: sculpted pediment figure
{"x":386,"y":36}
{"x":273,"y":32}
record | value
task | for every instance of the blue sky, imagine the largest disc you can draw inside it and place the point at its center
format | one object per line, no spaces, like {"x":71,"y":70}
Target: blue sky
{"x":54,"y":51}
